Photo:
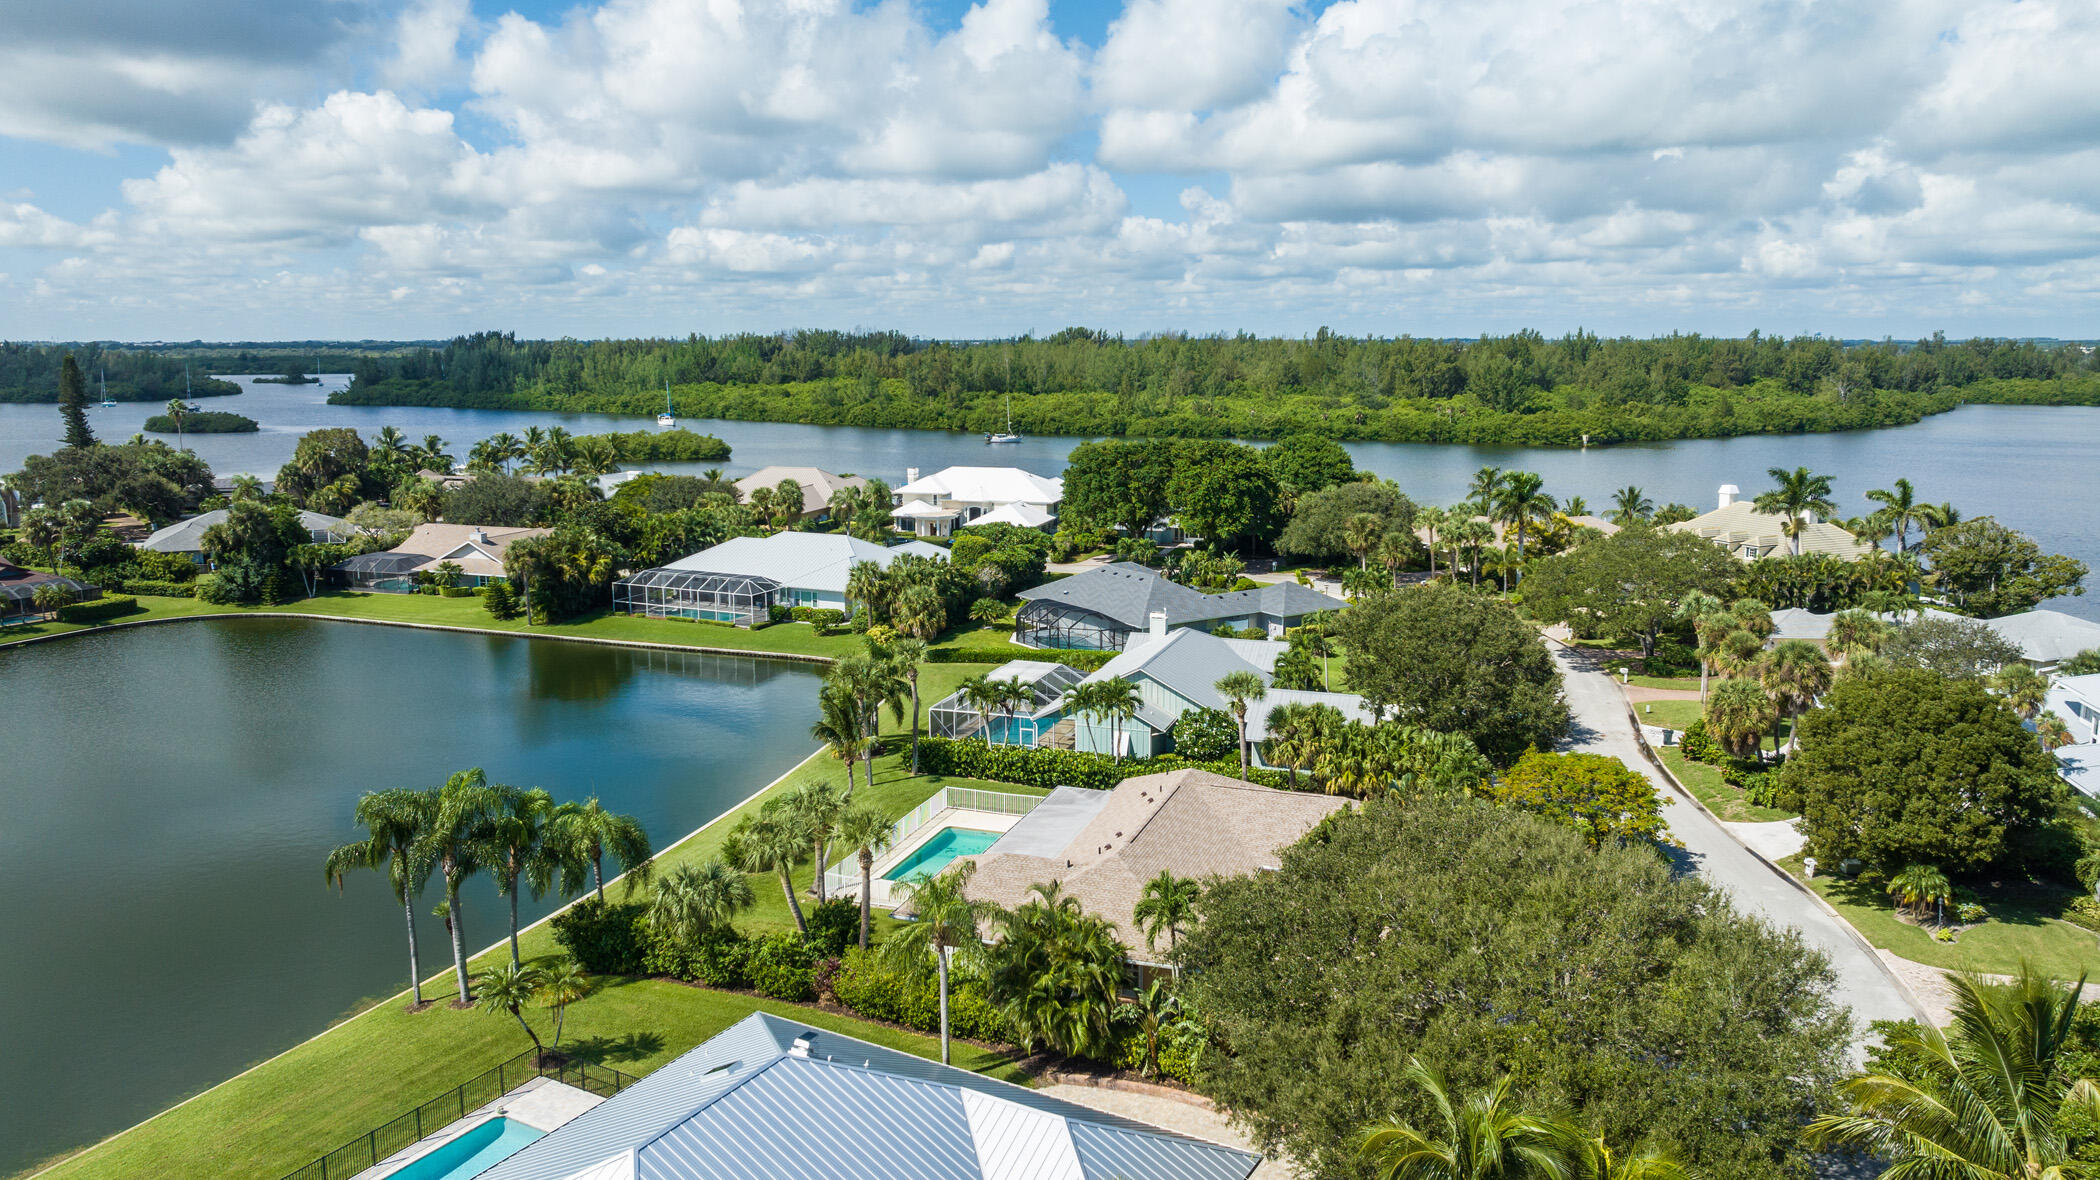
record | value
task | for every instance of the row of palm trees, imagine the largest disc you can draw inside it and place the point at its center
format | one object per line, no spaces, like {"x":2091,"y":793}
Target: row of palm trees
{"x":1762,"y":686}
{"x":1490,"y":1135}
{"x":520,"y":837}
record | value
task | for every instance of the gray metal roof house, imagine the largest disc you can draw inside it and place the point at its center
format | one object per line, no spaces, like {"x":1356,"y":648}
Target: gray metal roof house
{"x":772,"y":1099}
{"x":1100,"y":609}
{"x":187,"y":536}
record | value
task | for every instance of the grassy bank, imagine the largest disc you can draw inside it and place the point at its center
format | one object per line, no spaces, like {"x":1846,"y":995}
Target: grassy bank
{"x":374,"y":1065}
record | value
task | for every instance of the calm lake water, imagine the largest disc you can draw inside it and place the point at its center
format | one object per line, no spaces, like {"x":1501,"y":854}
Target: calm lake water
{"x":2031,"y":467}
{"x":170,"y":793}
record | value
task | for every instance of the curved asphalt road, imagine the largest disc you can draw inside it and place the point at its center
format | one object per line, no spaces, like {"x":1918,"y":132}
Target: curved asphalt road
{"x":1603,"y":726}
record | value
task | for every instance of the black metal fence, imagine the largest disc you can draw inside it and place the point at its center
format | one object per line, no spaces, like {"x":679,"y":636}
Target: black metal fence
{"x":380,"y":1142}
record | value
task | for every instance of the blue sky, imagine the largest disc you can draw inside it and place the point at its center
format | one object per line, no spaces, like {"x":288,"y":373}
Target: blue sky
{"x":412,"y":168}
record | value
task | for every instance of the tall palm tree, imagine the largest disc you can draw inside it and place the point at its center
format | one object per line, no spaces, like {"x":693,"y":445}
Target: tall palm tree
{"x":1939,"y":516}
{"x":907,"y":656}
{"x":944,"y":920}
{"x":1696,"y":608}
{"x":1737,"y":714}
{"x":868,"y":587}
{"x":983,"y":695}
{"x":504,"y":448}
{"x":1360,"y":533}
{"x":867,"y":830}
{"x":1795,"y":673}
{"x":1290,"y":733}
{"x":1473,"y":536}
{"x":1482,"y":1136}
{"x":1238,"y":689}
{"x":1431,"y":520}
{"x":920,"y":612}
{"x":1630,"y":505}
{"x":769,"y":842}
{"x":178,"y":410}
{"x":1899,"y":507}
{"x":562,"y":983}
{"x":692,"y":901}
{"x":246,"y":487}
{"x":816,"y":806}
{"x":1799,"y":493}
{"x":389,"y":448}
{"x":432,"y":454}
{"x":1987,"y":1098}
{"x":522,"y":848}
{"x":1166,"y":905}
{"x":841,"y":726}
{"x":1118,"y":700}
{"x":1753,"y":616}
{"x":511,"y":988}
{"x":453,"y":845}
{"x":874,"y":681}
{"x":844,"y":502}
{"x":1521,"y":501}
{"x":1486,"y":486}
{"x":2022,"y":687}
{"x":589,"y":833}
{"x":394,"y":821}
{"x":1918,"y":886}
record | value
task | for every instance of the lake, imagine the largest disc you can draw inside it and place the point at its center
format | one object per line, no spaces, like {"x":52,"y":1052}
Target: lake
{"x":171,"y":791}
{"x":2029,"y":466}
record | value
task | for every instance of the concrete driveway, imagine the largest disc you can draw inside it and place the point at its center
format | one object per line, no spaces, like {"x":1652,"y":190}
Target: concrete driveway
{"x":1603,"y":727}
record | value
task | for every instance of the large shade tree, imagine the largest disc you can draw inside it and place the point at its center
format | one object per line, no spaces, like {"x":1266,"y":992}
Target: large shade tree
{"x":1629,"y":585}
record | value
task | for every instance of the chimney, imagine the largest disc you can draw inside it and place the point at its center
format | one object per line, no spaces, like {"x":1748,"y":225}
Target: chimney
{"x":479,"y":537}
{"x":1159,"y":622}
{"x":911,"y":475}
{"x":802,"y":1043}
{"x":1728,"y":494}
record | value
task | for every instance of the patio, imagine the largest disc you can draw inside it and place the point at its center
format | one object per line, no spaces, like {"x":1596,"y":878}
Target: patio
{"x":542,"y":1104}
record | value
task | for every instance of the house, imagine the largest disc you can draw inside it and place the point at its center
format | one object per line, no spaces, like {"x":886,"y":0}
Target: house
{"x":1737,"y":526}
{"x":2076,"y":699}
{"x":818,"y":486}
{"x":477,"y":551}
{"x":1173,"y":672}
{"x":1101,"y":609}
{"x":450,"y":481}
{"x":18,"y":589}
{"x":2047,"y":638}
{"x":775,"y":1098}
{"x":938,"y":504}
{"x":739,"y":579}
{"x":1103,"y":846}
{"x":10,"y":508}
{"x":187,"y":536}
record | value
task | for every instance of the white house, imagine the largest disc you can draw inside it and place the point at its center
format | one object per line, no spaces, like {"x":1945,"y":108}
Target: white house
{"x":739,"y":579}
{"x":2076,"y":699}
{"x":938,"y":504}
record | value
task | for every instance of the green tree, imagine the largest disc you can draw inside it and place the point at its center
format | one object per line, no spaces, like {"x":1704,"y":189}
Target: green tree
{"x":1966,"y":649}
{"x":1855,"y":631}
{"x":522,"y":847}
{"x":588,"y":833}
{"x":692,"y":902}
{"x":1738,"y":714}
{"x":1448,"y":929}
{"x":72,"y":404}
{"x":841,"y":726}
{"x":769,"y":841}
{"x":1118,"y":483}
{"x":1483,"y":1136}
{"x":1360,"y":534}
{"x":1054,"y":973}
{"x":1443,"y":658}
{"x":1795,"y":673}
{"x":394,"y":821}
{"x":1630,"y":506}
{"x":1519,"y":503}
{"x":510,"y":988}
{"x":1223,"y":493}
{"x":1240,"y":689}
{"x":177,"y":411}
{"x":1631,"y":584}
{"x":1918,"y":887}
{"x":1595,"y":794}
{"x":2085,"y":663}
{"x":1990,"y":1097}
{"x":1799,"y":493}
{"x":945,"y":920}
{"x":2022,"y":687}
{"x":867,"y":830}
{"x":1307,"y":463}
{"x":1991,"y":570}
{"x":51,"y":597}
{"x":323,"y":457}
{"x":1907,"y":767}
{"x":907,"y":657}
{"x":1900,"y":508}
{"x":562,"y":982}
{"x":1165,"y":905}
{"x":452,"y":845}
{"x":816,"y":807}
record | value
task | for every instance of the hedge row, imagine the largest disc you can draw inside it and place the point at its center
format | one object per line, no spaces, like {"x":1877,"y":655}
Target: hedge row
{"x":159,"y":589}
{"x":1085,"y":661}
{"x":100,"y":608}
{"x":1041,"y":766}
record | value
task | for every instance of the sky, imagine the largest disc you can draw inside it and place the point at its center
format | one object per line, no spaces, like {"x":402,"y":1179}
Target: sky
{"x":398,"y":169}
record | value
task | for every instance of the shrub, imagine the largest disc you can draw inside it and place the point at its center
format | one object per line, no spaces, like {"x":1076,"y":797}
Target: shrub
{"x":1943,"y":934}
{"x":782,"y":966}
{"x":455,"y":592}
{"x":719,"y":958}
{"x":603,"y":938}
{"x":2083,"y":912}
{"x":99,"y":609}
{"x":500,"y":601}
{"x":161,"y":589}
{"x":861,"y":982}
{"x":832,"y":925}
{"x":1970,"y":913}
{"x":1042,"y":766}
{"x":1671,"y":658}
{"x":1697,"y":746}
{"x":1205,"y":735}
{"x":822,"y":616}
{"x":1175,"y":1060}
{"x":213,"y":589}
{"x":779,"y":613}
{"x":1085,"y":661}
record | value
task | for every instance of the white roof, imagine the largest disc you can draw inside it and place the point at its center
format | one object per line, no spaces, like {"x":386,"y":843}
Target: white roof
{"x":805,"y":561}
{"x":2080,"y":766}
{"x":925,"y":510}
{"x":2048,"y":636}
{"x":987,"y":485}
{"x":1027,"y":516}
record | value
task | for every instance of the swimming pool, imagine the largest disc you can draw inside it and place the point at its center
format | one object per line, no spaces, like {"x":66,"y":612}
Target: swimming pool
{"x":933,"y":856}
{"x":474,"y":1150}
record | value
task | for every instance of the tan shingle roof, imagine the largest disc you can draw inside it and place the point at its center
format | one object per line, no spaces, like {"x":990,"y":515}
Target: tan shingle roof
{"x":1741,"y":525}
{"x":477,"y":550}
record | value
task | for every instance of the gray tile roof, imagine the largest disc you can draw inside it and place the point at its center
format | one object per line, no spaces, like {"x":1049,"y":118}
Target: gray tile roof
{"x":187,"y":536}
{"x":743,"y":1105}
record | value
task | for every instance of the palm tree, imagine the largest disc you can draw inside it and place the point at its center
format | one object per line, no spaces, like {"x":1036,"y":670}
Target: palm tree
{"x":1630,"y":505}
{"x":843,"y":503}
{"x":769,"y":842}
{"x":1697,"y":608}
{"x":1290,"y":733}
{"x":1918,"y":886}
{"x":1595,"y":1161}
{"x":1853,"y":632}
{"x":1795,"y":673}
{"x":1753,"y":616}
{"x":432,"y":454}
{"x":691,"y":902}
{"x":389,"y":448}
{"x":1054,"y":973}
{"x":453,"y":844}
{"x":906,"y":657}
{"x":1473,"y":536}
{"x":2051,"y":731}
{"x":1166,"y":904}
{"x":1576,"y":506}
{"x":178,"y":410}
{"x":920,"y":613}
{"x":1431,"y":520}
{"x":1900,"y":508}
{"x":816,"y":806}
{"x":394,"y":821}
{"x":1799,"y":493}
{"x":1479,"y":1137}
{"x":1521,"y":501}
{"x":1737,"y":715}
{"x":504,"y":448}
{"x":245,"y":488}
{"x":1239,"y":688}
{"x":1738,"y":654}
{"x":983,"y":696}
{"x":2022,"y":687}
{"x":521,"y":847}
{"x":1939,"y":516}
{"x":867,"y":830}
{"x":589,"y":833}
{"x":1486,"y":486}
{"x":1360,"y":532}
{"x":872,"y":682}
{"x":511,"y":988}
{"x":562,"y":983}
{"x":1156,"y":1005}
{"x":868,"y":588}
{"x":944,"y":920}
{"x":1118,"y":700}
{"x":840,"y":726}
{"x":1987,"y":1098}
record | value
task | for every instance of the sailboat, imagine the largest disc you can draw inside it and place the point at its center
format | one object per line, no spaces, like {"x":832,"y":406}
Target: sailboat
{"x":1009,"y":436}
{"x":666,"y":418}
{"x":108,"y":402}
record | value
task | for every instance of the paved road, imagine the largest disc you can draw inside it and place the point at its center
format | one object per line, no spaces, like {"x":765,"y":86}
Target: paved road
{"x":1602,"y":727}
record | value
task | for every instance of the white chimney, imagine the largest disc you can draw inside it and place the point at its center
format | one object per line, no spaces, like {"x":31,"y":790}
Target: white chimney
{"x":479,"y":537}
{"x":911,"y":475}
{"x":1728,"y":494}
{"x":1159,"y":622}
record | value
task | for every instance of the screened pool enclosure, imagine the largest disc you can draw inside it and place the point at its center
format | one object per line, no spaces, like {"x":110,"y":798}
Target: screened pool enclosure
{"x":1022,"y":721}
{"x":668,"y":593}
{"x":1064,"y":627}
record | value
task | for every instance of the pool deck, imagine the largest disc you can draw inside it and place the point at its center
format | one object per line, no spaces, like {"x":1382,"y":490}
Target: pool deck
{"x":542,"y":1103}
{"x":949,"y":817}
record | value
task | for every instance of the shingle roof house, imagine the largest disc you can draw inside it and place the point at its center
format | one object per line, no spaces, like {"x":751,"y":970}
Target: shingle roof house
{"x":1102,"y":846}
{"x":772,"y":1099}
{"x":1737,"y":526}
{"x":187,"y":536}
{"x":817,"y":486}
{"x":1102,"y":608}
{"x":478,"y":552}
{"x":2047,"y":638}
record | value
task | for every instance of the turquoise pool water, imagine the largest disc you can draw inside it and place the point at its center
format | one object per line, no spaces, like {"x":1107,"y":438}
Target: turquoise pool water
{"x":475,"y":1151}
{"x":933,"y":856}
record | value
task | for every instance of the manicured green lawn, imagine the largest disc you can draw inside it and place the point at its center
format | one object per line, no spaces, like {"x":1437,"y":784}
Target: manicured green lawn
{"x":1706,"y":784}
{"x":2023,"y":925}
{"x":1670,"y":714}
{"x":1682,"y":684}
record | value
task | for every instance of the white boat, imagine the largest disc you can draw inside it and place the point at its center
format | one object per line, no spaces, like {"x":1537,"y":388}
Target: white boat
{"x":1009,"y":436}
{"x":108,"y":402}
{"x":665,"y":418}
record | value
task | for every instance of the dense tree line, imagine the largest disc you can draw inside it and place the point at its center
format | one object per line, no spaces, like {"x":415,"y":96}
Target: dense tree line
{"x":1521,"y":388}
{"x":30,"y":373}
